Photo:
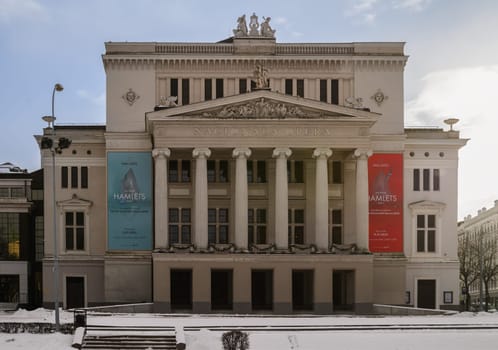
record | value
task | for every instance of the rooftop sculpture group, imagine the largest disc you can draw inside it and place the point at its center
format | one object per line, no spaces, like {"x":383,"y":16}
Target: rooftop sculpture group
{"x":255,"y":29}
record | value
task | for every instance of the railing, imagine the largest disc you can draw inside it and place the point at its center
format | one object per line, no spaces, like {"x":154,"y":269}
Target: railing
{"x":195,"y":48}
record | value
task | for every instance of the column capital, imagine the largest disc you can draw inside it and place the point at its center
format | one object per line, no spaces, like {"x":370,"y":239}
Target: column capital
{"x":201,"y":153}
{"x":241,"y":153}
{"x":322,"y":153}
{"x":161,"y":152}
{"x":362,"y":153}
{"x":282,"y":153}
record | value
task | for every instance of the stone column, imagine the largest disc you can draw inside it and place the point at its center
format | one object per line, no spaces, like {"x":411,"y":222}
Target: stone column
{"x":321,"y":197}
{"x":281,"y":197}
{"x":201,"y":197}
{"x":362,"y":197}
{"x":241,"y":155}
{"x":161,"y":197}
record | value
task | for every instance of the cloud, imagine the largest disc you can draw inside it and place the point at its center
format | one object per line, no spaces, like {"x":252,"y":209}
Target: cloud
{"x":470,"y":95}
{"x":98,"y":100}
{"x":11,"y":10}
{"x":367,"y":11}
{"x":414,"y":5}
{"x":281,"y":20}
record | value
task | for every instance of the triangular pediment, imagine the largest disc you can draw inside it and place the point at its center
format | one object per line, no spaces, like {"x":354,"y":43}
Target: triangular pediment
{"x":75,"y":201}
{"x":262,"y":104}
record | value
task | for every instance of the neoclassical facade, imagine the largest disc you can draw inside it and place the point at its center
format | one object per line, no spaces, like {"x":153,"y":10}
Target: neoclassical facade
{"x":254,"y":176}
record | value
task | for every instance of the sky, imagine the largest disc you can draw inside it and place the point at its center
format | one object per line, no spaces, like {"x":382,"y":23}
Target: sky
{"x":452,"y":70}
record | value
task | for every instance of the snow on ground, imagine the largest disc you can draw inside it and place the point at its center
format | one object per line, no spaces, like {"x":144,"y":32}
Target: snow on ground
{"x":208,"y":338}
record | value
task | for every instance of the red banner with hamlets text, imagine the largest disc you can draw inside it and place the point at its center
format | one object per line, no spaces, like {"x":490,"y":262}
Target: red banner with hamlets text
{"x":385,"y":197}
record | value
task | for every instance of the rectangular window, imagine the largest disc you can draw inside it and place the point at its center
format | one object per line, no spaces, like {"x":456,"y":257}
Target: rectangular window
{"x":75,"y":230}
{"x":288,"y":87}
{"x":300,"y":87}
{"x":211,"y":170}
{"x":39,"y":238}
{"x":416,"y":179}
{"x":185,"y":170}
{"x":335,"y":226}
{"x":334,"y":92}
{"x":219,"y":88}
{"x":242,"y":86}
{"x":426,"y":233}
{"x":84,"y":177}
{"x":179,"y":226}
{"x":223,"y":175}
{"x":426,"y":179}
{"x":74,"y":177}
{"x":296,"y":226}
{"x":173,"y":171}
{"x":218,"y":226}
{"x":185,"y":91}
{"x":17,"y":192}
{"x":295,"y":171}
{"x":9,"y":236}
{"x":435,"y":179}
{"x":256,"y":171}
{"x":173,"y":87}
{"x":257,"y":226}
{"x":4,"y":192}
{"x":64,"y":176}
{"x":323,"y":90}
{"x":208,"y":89}
{"x":337,"y":172}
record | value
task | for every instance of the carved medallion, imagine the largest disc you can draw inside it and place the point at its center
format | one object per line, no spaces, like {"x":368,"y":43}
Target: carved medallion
{"x":379,"y":97}
{"x":130,"y":97}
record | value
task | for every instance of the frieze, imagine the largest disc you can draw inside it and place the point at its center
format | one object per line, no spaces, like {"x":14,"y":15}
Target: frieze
{"x":241,"y":132}
{"x":260,"y":109}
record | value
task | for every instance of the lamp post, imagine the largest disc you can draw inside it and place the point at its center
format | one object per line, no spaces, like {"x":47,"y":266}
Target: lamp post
{"x":55,"y":146}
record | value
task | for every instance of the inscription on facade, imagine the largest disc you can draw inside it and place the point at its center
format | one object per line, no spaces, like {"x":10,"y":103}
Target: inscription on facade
{"x":261,"y":132}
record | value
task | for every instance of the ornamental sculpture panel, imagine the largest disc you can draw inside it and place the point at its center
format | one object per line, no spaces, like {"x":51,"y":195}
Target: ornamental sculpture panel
{"x":260,"y":109}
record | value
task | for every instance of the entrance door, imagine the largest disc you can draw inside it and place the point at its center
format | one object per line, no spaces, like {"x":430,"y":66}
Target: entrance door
{"x":426,"y":294}
{"x":343,"y":290}
{"x":302,"y":290}
{"x":221,"y":290}
{"x":181,"y":289}
{"x":75,"y":292}
{"x":262,"y":289}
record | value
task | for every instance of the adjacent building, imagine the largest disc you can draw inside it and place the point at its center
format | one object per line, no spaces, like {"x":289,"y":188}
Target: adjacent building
{"x":478,"y":239}
{"x":248,"y":176}
{"x":21,"y":236}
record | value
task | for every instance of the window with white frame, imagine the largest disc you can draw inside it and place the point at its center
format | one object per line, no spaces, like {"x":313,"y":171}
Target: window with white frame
{"x":426,"y":226}
{"x":335,"y":226}
{"x":256,"y":171}
{"x":295,"y":171}
{"x":178,"y":170}
{"x":256,"y":233}
{"x":426,"y":177}
{"x":217,"y":225}
{"x":296,"y":226}
{"x":217,"y":170}
{"x":74,"y":230}
{"x":179,"y":227}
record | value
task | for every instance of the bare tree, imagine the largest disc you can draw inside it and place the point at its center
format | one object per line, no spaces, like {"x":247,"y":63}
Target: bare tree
{"x":487,"y":254}
{"x":469,"y":266}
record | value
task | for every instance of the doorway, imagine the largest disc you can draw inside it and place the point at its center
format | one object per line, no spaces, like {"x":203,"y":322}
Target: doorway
{"x":262,"y":290}
{"x":302,"y":290}
{"x":181,"y":289}
{"x":221,"y":289}
{"x":343,"y":290}
{"x":75,"y":292}
{"x":426,"y":294}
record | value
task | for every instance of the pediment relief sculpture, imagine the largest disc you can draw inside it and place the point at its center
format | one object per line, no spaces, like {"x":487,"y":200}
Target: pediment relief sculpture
{"x":261,"y":108}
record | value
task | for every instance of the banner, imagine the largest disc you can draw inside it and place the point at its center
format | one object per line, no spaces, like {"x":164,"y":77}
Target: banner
{"x":385,"y":194}
{"x":129,"y":200}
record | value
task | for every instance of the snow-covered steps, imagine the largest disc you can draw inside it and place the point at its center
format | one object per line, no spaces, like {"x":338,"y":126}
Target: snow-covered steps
{"x":129,"y":337}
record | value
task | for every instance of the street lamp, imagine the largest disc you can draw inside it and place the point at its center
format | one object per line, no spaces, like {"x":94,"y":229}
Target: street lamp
{"x":55,"y":146}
